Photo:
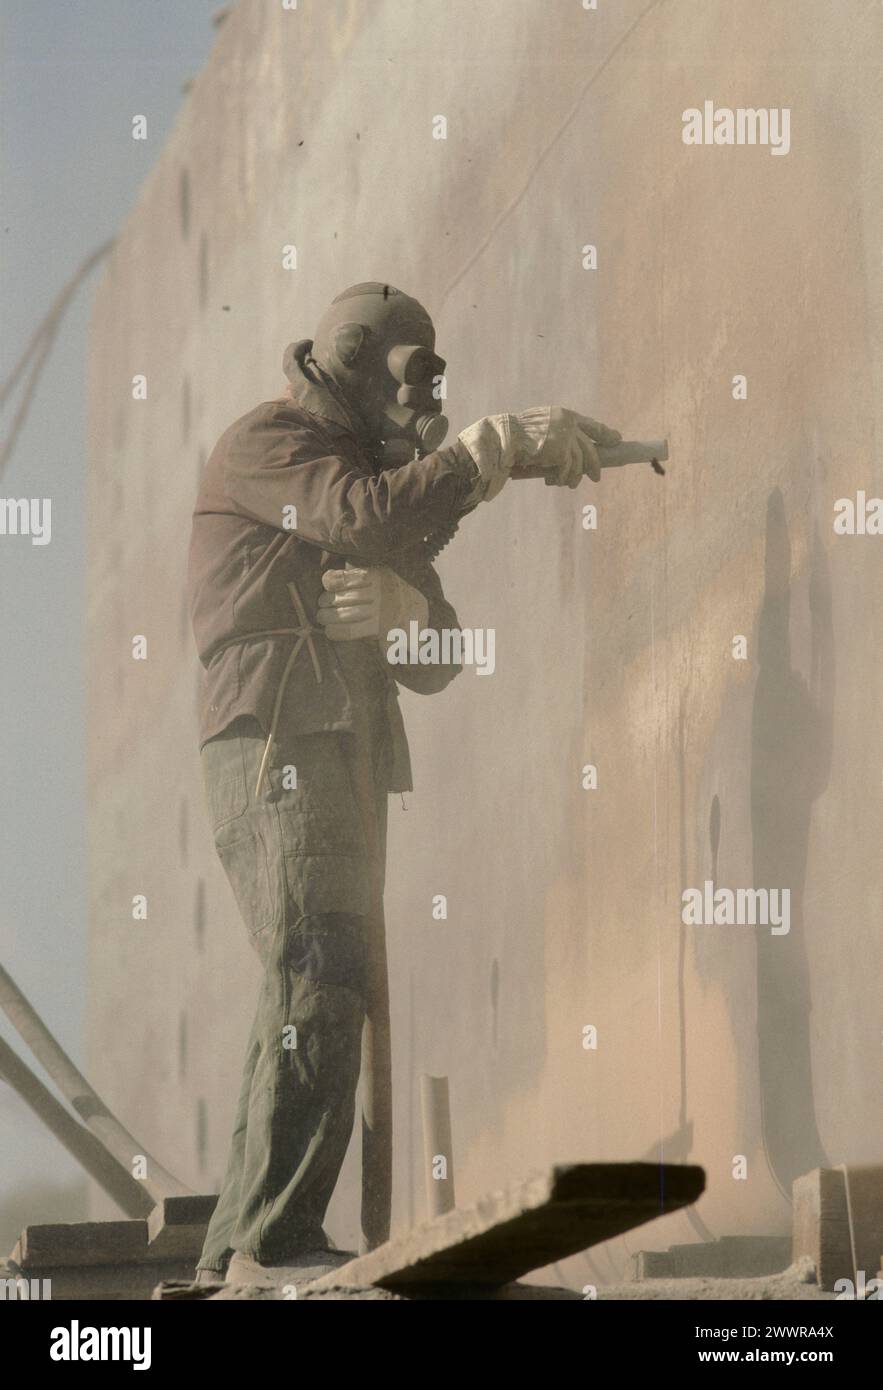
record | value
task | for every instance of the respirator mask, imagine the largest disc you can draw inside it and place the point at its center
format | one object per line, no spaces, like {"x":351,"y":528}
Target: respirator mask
{"x":415,"y":414}
{"x":378,"y":346}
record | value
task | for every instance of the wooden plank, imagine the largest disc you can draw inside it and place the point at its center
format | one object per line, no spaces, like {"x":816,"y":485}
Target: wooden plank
{"x":174,"y":1231}
{"x":549,"y":1216}
{"x":81,"y":1243}
{"x":176,"y":1227}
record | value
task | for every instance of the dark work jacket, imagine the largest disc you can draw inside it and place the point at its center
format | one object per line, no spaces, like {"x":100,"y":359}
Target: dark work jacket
{"x":305,"y":453}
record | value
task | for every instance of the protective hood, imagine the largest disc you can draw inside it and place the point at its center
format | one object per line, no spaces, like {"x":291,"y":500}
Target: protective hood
{"x":375,"y":351}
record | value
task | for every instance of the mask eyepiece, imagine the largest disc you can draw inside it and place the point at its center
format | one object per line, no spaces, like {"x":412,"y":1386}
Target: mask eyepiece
{"x":412,"y":365}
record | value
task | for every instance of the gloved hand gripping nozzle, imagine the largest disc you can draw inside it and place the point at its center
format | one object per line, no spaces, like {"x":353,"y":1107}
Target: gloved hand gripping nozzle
{"x":549,"y":442}
{"x":652,"y":451}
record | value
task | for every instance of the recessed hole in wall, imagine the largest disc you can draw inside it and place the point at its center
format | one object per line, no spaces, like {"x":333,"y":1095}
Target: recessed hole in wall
{"x":199,"y":914}
{"x":714,"y":833}
{"x":184,"y":202}
{"x":495,"y":996}
{"x":203,"y":271}
{"x":185,"y":619}
{"x":201,"y":1133}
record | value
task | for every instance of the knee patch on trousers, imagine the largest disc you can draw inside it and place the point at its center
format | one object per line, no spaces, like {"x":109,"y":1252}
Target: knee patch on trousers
{"x":329,"y":948}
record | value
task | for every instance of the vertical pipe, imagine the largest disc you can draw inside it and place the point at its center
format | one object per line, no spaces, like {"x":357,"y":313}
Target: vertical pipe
{"x":438,"y":1154}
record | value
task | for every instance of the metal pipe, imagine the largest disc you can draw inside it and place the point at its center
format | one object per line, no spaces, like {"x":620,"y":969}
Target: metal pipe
{"x":438,"y":1152}
{"x":129,"y":1195}
{"x":114,"y":1137}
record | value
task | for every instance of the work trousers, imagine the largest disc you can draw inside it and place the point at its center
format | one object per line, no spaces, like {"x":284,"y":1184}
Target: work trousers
{"x":298,"y":861}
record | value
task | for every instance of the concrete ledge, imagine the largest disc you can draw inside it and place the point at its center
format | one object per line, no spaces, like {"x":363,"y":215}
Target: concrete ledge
{"x":110,"y":1282}
{"x":821,"y":1224}
{"x":731,"y":1257}
{"x":824,"y":1201}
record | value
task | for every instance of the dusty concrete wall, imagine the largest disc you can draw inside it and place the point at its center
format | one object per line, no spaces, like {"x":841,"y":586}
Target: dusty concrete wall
{"x":613,"y":647}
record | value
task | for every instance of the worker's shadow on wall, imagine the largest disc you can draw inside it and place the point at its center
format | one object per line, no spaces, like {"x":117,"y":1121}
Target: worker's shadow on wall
{"x":791,"y":738}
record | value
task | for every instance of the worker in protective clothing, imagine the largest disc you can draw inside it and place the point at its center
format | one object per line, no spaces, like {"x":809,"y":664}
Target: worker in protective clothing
{"x":317,"y":519}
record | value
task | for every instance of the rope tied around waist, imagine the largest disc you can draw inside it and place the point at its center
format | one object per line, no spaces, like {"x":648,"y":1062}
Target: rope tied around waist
{"x":304,"y":632}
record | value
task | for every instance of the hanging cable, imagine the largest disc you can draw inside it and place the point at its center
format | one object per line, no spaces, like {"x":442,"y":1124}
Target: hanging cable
{"x":38,"y":349}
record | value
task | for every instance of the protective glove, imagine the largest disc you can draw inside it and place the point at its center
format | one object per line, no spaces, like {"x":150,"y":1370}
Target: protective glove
{"x":368,"y":602}
{"x":560,"y":441}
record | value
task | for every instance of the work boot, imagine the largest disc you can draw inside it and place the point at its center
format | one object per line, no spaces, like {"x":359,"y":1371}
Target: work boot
{"x":304,"y":1266}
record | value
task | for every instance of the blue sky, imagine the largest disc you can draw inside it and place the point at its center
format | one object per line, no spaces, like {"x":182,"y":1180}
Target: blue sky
{"x":72,"y":75}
